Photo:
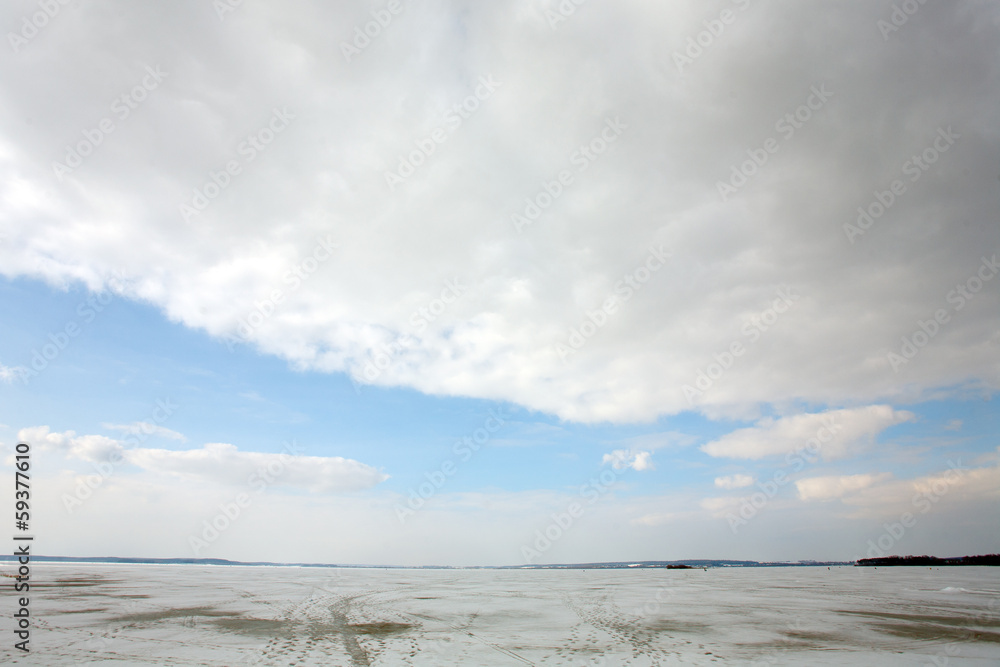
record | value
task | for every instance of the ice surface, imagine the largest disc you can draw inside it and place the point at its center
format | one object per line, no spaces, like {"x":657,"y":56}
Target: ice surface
{"x":241,"y":616}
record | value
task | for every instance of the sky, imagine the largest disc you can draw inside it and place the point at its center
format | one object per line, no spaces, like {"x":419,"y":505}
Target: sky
{"x":506,"y":283}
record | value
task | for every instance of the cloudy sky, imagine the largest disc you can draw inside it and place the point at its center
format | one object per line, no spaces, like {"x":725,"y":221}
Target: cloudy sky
{"x":455,"y":282}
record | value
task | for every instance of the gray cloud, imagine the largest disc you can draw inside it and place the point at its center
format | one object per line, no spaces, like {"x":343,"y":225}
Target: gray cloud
{"x":323,"y":176}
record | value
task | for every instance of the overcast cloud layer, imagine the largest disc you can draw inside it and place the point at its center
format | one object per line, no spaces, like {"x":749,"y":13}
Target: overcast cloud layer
{"x":767,"y":268}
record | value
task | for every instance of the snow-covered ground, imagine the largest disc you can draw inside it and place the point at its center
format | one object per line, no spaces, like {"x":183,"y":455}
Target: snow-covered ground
{"x":242,"y":616}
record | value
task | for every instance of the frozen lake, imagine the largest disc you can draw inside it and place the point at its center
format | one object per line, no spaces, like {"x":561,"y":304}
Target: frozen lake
{"x":203,"y":615}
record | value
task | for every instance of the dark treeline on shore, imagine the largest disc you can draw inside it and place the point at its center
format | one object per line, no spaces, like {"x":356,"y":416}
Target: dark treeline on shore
{"x":988,"y":559}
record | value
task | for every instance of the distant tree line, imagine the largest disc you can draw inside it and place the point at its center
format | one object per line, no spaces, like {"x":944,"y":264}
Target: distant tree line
{"x":988,"y":559}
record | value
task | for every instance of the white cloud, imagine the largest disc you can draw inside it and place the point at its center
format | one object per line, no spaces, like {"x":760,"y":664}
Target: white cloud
{"x":216,"y":463}
{"x":624,"y":458}
{"x":733,"y":481}
{"x":954,"y":425}
{"x":147,"y":429}
{"x":656,"y":185}
{"x":836,"y":433}
{"x":958,"y":484}
{"x":834,"y":487}
{"x":41,"y":437}
{"x":220,"y":462}
{"x":93,"y":448}
{"x":10,"y":373}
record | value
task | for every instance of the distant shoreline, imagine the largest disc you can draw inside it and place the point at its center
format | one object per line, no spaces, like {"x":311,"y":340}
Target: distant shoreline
{"x":623,"y":565}
{"x":889,"y":561}
{"x":931,"y":561}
